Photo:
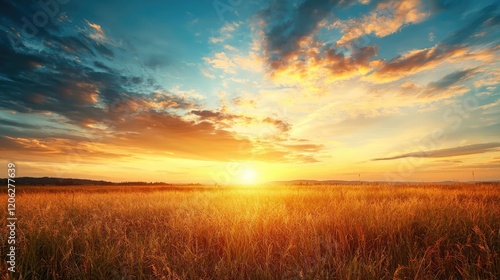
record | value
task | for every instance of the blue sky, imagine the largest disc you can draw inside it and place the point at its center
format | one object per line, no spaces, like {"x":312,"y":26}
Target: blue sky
{"x":204,"y":91}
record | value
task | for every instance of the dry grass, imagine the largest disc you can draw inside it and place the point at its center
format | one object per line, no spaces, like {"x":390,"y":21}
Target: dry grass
{"x":328,"y":232}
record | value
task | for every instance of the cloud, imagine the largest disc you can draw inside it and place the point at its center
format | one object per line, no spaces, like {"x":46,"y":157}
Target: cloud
{"x":415,"y":61}
{"x":387,"y":18}
{"x":451,"y":79}
{"x":295,"y":55}
{"x":449,"y":152}
{"x":490,"y":106}
{"x":97,"y":34}
{"x":450,"y":85}
{"x":225,"y":32}
{"x":480,"y":27}
{"x":207,"y":74}
{"x":459,"y":44}
{"x":286,"y":27}
{"x":323,"y":66}
{"x":297,"y":52}
{"x":491,"y":164}
{"x":67,"y":150}
{"x":272,"y":144}
{"x":15,"y":124}
{"x":281,"y":125}
{"x":85,"y":92}
{"x":215,"y":40}
{"x":135,"y":112}
{"x":306,"y":147}
{"x":229,"y":47}
{"x":222,"y":118}
{"x":170,"y":135}
{"x":81,"y":95}
{"x":244,"y":102}
{"x":102,"y":66}
{"x":221,"y":61}
{"x":449,"y":161}
{"x":230,"y":64}
{"x":108,"y":113}
{"x":16,"y":14}
{"x":156,"y":62}
{"x":252,"y":62}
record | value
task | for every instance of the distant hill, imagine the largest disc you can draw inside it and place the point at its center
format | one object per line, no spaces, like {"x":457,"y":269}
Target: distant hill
{"x":312,"y":182}
{"x":342,"y":182}
{"x":51,"y":181}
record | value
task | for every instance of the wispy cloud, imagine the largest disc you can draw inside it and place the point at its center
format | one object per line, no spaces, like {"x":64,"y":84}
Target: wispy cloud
{"x":231,"y":63}
{"x":449,"y":152}
{"x":461,"y":43}
{"x":225,"y":33}
{"x":96,"y":32}
{"x":414,"y":62}
{"x":387,"y":18}
{"x":219,"y":118}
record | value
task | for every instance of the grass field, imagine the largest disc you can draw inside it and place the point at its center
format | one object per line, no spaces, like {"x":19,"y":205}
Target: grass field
{"x":282,"y":232}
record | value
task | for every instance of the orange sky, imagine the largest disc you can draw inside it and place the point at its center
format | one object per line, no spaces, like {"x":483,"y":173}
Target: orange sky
{"x":371,"y":90}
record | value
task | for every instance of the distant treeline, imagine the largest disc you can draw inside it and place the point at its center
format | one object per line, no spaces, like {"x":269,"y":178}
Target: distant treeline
{"x":50,"y":181}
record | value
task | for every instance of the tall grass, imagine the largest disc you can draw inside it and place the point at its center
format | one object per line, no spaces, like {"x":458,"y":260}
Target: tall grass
{"x":285,"y":232}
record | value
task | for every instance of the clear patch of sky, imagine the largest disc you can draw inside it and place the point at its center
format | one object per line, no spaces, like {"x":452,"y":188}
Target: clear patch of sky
{"x":352,"y":11}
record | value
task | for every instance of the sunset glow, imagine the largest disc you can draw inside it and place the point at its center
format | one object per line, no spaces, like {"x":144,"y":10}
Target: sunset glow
{"x":249,"y":176}
{"x":180,"y":92}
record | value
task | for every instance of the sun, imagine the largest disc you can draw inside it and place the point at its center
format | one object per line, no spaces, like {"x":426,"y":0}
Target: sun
{"x":248,"y":176}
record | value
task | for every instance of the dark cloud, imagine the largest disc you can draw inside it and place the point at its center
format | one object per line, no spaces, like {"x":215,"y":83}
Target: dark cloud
{"x":73,"y":77}
{"x":102,"y":66}
{"x":83,"y":91}
{"x":105,"y":51}
{"x":70,"y":44}
{"x":14,"y":64}
{"x":286,"y":28}
{"x":449,"y":152}
{"x":415,"y":61}
{"x":291,"y":44}
{"x":22,"y":19}
{"x":15,"y":124}
{"x":451,"y":79}
{"x":157,"y":62}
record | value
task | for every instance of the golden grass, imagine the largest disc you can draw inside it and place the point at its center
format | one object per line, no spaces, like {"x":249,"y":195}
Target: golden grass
{"x":286,"y":232}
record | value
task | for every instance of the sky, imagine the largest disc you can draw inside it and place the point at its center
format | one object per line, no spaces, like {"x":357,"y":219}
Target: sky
{"x":234,"y":92}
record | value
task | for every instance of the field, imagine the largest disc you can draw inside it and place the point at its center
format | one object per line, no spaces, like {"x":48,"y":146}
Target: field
{"x":365,"y":231}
